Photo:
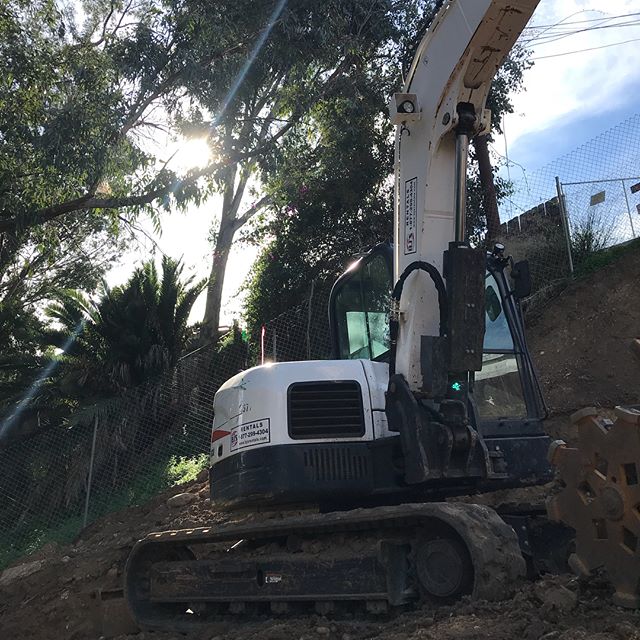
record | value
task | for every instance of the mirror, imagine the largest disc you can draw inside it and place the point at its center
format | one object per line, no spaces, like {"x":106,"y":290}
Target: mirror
{"x":492,"y":304}
{"x":521,"y":279}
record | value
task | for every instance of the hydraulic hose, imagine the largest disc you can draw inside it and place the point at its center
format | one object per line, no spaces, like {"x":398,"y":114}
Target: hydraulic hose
{"x":394,"y":319}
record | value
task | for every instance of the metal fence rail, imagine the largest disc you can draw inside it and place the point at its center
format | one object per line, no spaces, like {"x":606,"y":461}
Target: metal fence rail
{"x":583,"y":202}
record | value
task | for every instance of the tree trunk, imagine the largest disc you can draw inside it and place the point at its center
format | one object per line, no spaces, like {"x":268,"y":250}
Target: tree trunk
{"x":232,"y":196}
{"x":489,"y":198}
{"x":211,"y":320}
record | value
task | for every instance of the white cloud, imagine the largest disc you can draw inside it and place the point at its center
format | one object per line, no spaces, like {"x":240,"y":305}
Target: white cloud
{"x":569,"y":87}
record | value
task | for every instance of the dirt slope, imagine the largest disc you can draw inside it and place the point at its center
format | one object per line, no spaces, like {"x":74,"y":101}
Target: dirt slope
{"x":581,"y":342}
{"x":581,"y":347}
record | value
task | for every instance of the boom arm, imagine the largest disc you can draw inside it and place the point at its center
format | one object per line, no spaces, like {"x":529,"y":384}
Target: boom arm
{"x":442,"y":104}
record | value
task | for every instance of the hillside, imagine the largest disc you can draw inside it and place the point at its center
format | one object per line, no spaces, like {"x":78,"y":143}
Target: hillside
{"x":581,"y":341}
{"x":580,"y":344}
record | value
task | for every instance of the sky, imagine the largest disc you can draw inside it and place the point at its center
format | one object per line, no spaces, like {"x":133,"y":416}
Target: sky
{"x":568,"y":100}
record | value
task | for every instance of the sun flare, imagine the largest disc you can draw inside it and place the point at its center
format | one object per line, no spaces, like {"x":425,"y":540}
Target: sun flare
{"x":193,"y":153}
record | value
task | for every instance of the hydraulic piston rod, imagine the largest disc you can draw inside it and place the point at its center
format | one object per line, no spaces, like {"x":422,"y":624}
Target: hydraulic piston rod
{"x":464,"y":130}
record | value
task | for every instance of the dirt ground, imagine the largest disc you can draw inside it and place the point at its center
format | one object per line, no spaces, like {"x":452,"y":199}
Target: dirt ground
{"x":581,"y":347}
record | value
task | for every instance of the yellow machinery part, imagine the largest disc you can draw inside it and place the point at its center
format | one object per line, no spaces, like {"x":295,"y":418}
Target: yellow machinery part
{"x":600,"y":498}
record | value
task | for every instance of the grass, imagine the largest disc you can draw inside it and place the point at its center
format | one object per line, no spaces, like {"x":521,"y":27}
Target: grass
{"x":157,"y":477}
{"x":599,"y":259}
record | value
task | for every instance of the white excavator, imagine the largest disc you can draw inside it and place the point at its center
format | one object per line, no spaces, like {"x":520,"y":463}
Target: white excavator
{"x":431,"y":395}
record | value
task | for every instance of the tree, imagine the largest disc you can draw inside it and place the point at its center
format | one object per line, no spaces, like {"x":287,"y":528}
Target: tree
{"x":485,"y":219}
{"x":333,"y":199}
{"x":242,"y":73}
{"x":330,"y":189}
{"x":311,"y":47}
{"x":132,"y":334}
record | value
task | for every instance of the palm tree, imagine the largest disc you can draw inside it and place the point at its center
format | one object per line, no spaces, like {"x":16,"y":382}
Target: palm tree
{"x":99,"y":356}
{"x":132,"y":334}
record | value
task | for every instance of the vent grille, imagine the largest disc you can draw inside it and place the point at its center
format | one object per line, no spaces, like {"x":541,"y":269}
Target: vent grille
{"x":325,"y":410}
{"x":331,"y":464}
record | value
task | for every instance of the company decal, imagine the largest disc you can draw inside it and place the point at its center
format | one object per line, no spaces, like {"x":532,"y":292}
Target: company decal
{"x":272,"y":578}
{"x":217,"y":434}
{"x":250,"y":433}
{"x":410,"y":216}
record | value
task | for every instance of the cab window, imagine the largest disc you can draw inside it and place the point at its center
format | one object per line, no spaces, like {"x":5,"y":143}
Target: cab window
{"x":362,"y":307}
{"x":497,"y":388}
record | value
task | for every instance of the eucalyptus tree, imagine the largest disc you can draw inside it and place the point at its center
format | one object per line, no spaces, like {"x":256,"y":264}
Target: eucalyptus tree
{"x":331,"y":187}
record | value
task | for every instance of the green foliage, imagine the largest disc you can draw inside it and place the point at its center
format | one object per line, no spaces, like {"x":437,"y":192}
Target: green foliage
{"x":588,"y":236}
{"x":599,"y":259}
{"x":182,"y":469}
{"x":162,"y":475}
{"x":131,"y":334}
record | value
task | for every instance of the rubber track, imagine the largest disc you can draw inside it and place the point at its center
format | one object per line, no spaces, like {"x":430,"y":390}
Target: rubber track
{"x":492,"y":544}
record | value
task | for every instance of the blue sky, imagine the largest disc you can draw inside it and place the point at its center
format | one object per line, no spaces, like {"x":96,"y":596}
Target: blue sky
{"x":569,"y":99}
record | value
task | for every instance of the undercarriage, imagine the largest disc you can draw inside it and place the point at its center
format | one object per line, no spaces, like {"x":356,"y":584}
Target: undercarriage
{"x":371,"y":561}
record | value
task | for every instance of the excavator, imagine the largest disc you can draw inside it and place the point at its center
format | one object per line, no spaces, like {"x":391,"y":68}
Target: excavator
{"x":431,"y":395}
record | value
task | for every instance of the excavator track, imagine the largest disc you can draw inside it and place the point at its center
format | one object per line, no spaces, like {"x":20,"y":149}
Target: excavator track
{"x":600,"y":498}
{"x":374,"y":559}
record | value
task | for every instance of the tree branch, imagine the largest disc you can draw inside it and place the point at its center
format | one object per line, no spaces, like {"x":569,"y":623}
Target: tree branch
{"x":250,"y":212}
{"x":90,"y":201}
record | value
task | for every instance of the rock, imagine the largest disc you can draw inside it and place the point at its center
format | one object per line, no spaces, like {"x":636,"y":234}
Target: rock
{"x":535,"y":630}
{"x":49,"y":549}
{"x":626,"y":631}
{"x":207,"y":502}
{"x":180,"y":500}
{"x":323,"y":631}
{"x":21,"y":571}
{"x":560,"y":598}
{"x":203,"y":476}
{"x":65,"y":559}
{"x":346,"y":636}
{"x":113,"y":572}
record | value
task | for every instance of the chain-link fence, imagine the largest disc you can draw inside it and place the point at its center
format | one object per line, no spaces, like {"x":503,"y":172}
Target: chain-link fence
{"x":122,"y":451}
{"x":577,"y":205}
{"x":301,"y":333}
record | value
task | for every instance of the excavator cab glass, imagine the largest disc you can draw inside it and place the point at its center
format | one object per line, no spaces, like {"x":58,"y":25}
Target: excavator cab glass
{"x":497,"y":388}
{"x":359,"y":308}
{"x":505,"y":389}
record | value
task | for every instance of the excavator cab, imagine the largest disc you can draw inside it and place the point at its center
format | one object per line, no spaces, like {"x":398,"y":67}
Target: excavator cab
{"x":504,"y":398}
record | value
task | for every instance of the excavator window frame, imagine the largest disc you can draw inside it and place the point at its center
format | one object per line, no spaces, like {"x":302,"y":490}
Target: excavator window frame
{"x":507,"y":426}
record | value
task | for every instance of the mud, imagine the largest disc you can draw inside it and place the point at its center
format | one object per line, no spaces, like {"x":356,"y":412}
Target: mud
{"x":581,"y":345}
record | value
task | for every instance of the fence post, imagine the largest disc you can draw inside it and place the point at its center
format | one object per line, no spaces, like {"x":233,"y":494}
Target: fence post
{"x":626,"y":199}
{"x":565,"y":221}
{"x":90,"y":478}
{"x":313,"y":282}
